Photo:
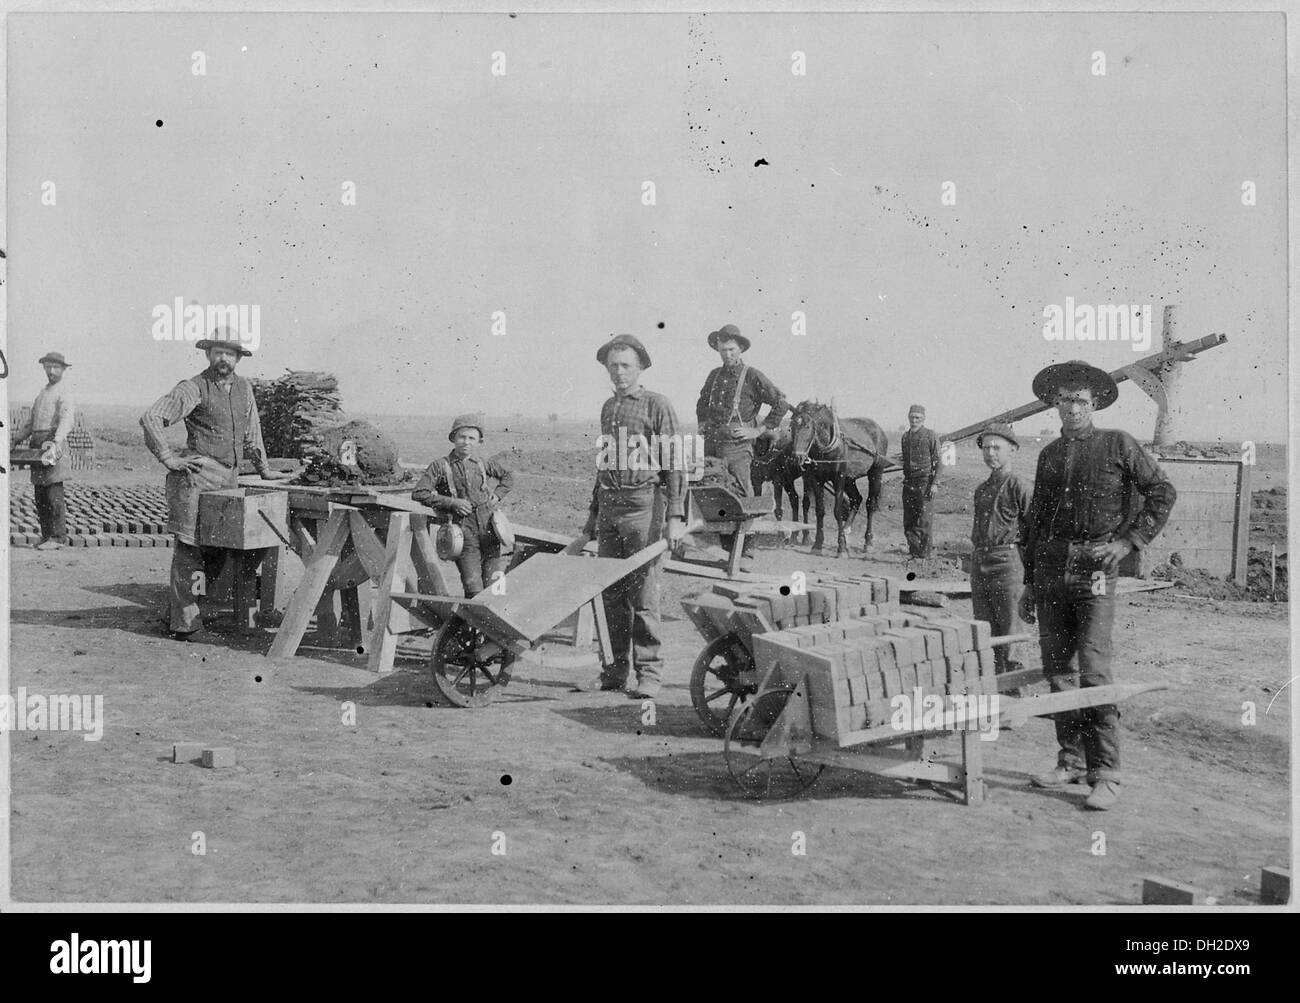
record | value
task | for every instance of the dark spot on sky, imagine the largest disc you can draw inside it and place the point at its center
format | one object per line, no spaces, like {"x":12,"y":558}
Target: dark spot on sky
{"x":506,"y":780}
{"x":760,"y":162}
{"x":159,"y":123}
{"x":660,"y":325}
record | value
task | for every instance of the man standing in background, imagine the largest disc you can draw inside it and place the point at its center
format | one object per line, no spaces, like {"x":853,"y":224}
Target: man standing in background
{"x":47,"y":427}
{"x":920,"y":474}
{"x":727,"y":414}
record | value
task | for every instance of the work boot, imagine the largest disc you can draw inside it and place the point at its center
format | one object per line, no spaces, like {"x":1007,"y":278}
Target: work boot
{"x":601,"y":684}
{"x":1059,"y":777}
{"x":1104,"y":795}
{"x":645,"y":689}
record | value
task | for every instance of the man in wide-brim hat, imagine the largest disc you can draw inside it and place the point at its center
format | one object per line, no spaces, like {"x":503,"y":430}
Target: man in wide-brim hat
{"x":458,"y":485}
{"x":622,"y":517}
{"x":1080,"y":528}
{"x":47,"y":428}
{"x":727,"y":413}
{"x":222,"y":428}
{"x":997,"y":532}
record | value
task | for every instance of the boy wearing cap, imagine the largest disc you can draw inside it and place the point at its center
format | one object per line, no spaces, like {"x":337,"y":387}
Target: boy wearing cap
{"x":622,"y":516}
{"x":1080,"y":528}
{"x":458,"y":485}
{"x":1000,"y":526}
{"x":47,"y":427}
{"x":727,"y":413}
{"x":920,"y":474}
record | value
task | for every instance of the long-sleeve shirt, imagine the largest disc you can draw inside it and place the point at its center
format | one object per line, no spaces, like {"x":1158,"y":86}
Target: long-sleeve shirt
{"x":1083,"y":491}
{"x":1001,"y":511}
{"x":714,"y":408}
{"x":469,"y":482}
{"x":179,"y":402}
{"x":920,"y":455}
{"x":623,"y":462}
{"x":52,"y":410}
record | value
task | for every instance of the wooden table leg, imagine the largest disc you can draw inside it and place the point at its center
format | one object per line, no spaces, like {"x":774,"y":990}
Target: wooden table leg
{"x":245,"y":564}
{"x":383,"y":642}
{"x":324,"y":556}
{"x":274,"y":595}
{"x":972,"y":762}
{"x":737,"y":548}
{"x":326,"y":634}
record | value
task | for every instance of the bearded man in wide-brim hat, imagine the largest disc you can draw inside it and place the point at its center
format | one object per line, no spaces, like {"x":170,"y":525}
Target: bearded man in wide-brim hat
{"x":47,"y":427}
{"x":222,"y":429}
{"x":727,"y":413}
{"x":1081,"y":525}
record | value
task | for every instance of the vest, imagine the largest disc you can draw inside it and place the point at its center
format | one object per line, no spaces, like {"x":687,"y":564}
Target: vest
{"x":218,"y":425}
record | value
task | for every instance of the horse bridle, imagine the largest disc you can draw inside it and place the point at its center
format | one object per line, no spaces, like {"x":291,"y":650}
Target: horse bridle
{"x":835,"y":438}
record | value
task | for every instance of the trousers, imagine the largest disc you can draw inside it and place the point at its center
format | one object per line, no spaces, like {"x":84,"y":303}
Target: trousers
{"x":52,"y":510}
{"x":194,"y":573}
{"x":917,"y":518}
{"x":625,"y":524}
{"x":739,"y":459}
{"x":1074,"y":596}
{"x":480,"y":562}
{"x":996,"y":580}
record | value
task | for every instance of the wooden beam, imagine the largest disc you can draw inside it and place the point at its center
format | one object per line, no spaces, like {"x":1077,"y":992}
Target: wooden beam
{"x":324,"y":556}
{"x":367,"y":545}
{"x":383,"y":642}
{"x":1181,"y":352}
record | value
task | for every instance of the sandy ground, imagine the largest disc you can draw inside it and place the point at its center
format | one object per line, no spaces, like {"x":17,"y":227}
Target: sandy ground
{"x":593,"y":802}
{"x":600,"y":806}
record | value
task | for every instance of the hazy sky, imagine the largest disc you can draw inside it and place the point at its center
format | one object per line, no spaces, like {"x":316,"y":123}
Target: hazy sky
{"x":522,"y":193}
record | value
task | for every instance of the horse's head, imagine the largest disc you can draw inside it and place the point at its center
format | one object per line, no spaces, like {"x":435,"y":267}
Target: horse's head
{"x":812,"y":429}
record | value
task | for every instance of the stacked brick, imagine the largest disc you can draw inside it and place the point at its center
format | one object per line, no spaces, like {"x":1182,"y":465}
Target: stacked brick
{"x":98,"y":516}
{"x":854,"y":668}
{"x":746,"y":608}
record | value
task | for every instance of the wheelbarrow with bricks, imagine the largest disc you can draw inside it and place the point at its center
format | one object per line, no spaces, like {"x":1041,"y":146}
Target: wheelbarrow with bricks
{"x":865,"y":694}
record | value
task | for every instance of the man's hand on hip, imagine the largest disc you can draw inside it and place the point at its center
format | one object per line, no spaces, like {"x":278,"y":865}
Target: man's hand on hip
{"x":1112,"y":553}
{"x":185,"y":464}
{"x":1027,"y":611}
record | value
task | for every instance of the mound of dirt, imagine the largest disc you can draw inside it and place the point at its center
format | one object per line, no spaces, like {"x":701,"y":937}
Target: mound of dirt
{"x":1199,"y":582}
{"x":377,"y":461}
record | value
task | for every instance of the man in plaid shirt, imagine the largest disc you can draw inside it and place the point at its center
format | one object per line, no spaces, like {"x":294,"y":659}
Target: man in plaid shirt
{"x":622,"y":513}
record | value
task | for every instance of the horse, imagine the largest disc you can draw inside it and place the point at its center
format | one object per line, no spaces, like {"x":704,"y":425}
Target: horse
{"x":774,"y":461}
{"x":837,"y":451}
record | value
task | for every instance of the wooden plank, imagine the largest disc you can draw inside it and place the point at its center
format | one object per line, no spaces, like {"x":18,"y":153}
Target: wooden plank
{"x":302,"y":537}
{"x":424,"y":556}
{"x":394,"y":502}
{"x":547,"y":588}
{"x":368,"y":547}
{"x":1016,"y":711}
{"x":383,"y":641}
{"x":324,"y":556}
{"x":972,"y":763}
{"x":602,"y":632}
{"x":1241,"y":526}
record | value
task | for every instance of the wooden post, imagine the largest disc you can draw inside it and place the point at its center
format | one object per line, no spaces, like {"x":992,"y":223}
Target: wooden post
{"x":324,"y":556}
{"x":383,"y":642}
{"x":972,"y":764}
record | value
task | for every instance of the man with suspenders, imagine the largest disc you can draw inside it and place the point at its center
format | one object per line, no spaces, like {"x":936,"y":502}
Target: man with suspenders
{"x":727,"y":413}
{"x":457,"y":484}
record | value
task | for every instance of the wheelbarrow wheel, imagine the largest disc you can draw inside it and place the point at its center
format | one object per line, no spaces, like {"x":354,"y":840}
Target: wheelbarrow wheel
{"x":467,"y":666}
{"x":716,"y":685}
{"x":771,"y":775}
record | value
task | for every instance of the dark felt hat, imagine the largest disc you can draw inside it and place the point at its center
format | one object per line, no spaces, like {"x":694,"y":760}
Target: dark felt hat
{"x":1076,"y":373}
{"x":728,"y":332}
{"x":998,"y":429}
{"x":223,"y":337}
{"x":56,"y":357}
{"x":621,"y":341}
